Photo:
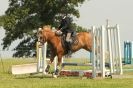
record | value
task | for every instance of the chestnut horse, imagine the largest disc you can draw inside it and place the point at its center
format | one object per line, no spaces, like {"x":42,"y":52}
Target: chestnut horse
{"x":47,"y":35}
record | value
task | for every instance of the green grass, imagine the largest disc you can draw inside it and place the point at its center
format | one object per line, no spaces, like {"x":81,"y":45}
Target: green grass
{"x":7,"y":80}
{"x":65,"y":83}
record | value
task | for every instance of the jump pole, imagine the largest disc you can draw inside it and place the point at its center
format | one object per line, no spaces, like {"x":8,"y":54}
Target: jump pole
{"x":98,"y":51}
{"x":119,"y":50}
{"x":93,"y":58}
{"x":41,"y":57}
{"x":103,"y":51}
{"x":109,"y":49}
{"x":113,"y":46}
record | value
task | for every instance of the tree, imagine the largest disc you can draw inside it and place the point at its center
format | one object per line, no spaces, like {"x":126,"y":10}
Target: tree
{"x":23,"y":17}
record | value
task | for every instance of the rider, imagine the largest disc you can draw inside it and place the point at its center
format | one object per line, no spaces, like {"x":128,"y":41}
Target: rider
{"x":67,"y":29}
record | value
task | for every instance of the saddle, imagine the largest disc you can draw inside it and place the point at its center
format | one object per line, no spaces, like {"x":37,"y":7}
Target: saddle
{"x":68,"y":45}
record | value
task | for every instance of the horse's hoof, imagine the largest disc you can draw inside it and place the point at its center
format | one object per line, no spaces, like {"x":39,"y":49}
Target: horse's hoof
{"x":55,"y":76}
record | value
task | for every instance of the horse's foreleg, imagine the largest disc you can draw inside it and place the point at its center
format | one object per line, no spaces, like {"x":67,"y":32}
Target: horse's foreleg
{"x":58,"y":64}
{"x":50,"y":62}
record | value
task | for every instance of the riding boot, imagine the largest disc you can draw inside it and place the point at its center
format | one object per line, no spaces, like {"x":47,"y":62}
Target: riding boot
{"x":69,"y":49}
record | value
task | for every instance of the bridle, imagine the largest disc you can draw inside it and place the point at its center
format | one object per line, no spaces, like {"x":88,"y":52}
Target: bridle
{"x":41,"y":39}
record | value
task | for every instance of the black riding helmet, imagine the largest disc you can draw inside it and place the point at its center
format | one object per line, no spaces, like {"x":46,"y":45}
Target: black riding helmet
{"x":67,"y":17}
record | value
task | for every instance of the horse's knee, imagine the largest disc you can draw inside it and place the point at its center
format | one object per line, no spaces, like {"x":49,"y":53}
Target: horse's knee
{"x":51,"y":60}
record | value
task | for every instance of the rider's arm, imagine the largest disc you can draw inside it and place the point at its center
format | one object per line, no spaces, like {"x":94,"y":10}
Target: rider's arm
{"x":65,"y":24}
{"x":60,"y":26}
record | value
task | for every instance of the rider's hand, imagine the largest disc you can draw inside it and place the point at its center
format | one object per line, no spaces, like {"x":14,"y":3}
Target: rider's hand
{"x":58,"y":32}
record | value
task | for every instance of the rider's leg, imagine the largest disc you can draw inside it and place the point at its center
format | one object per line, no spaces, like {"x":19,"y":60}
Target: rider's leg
{"x":68,"y":37}
{"x":69,"y":41}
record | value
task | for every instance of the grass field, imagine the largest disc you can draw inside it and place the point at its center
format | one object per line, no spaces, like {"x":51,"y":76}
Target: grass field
{"x":7,"y":80}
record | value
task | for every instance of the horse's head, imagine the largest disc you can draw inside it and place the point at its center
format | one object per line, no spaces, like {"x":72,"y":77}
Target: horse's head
{"x":42,"y":33}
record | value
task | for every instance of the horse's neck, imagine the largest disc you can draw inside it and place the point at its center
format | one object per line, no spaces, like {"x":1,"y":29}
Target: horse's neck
{"x":50,"y":35}
{"x":53,"y":39}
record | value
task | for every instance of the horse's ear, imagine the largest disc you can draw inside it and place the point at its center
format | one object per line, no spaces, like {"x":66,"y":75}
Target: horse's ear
{"x":49,"y":26}
{"x":39,"y":31}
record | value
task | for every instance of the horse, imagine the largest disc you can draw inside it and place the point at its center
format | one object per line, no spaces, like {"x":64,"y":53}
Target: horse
{"x":47,"y":35}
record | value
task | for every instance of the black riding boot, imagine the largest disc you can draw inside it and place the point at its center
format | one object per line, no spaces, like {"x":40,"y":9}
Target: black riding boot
{"x":69,"y":49}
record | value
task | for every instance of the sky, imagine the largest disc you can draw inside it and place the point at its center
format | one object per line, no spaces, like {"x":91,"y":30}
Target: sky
{"x":95,"y":13}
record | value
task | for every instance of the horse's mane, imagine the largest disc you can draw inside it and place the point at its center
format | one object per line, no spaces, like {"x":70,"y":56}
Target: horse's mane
{"x":47,"y":27}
